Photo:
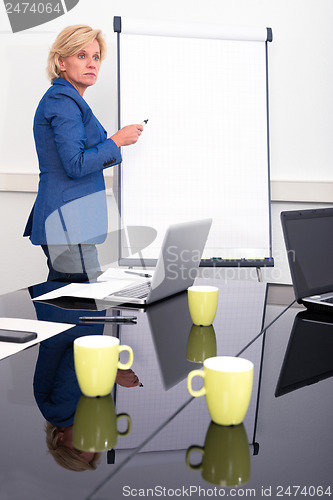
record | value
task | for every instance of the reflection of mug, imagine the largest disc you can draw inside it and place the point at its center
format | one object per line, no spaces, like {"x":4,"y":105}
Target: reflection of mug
{"x":95,"y":424}
{"x":202,"y":303}
{"x":225,"y":456}
{"x":201,"y":343}
{"x":227,"y":385}
{"x":96,"y":359}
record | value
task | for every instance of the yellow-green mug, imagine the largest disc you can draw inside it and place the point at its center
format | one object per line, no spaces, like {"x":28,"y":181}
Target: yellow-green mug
{"x":225,"y":456}
{"x":228,"y":387}
{"x":202,"y":303}
{"x":95,"y":424}
{"x":201,"y":343}
{"x":96,"y":361}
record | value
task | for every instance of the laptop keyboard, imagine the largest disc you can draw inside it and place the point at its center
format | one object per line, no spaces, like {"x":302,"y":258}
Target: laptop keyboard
{"x":136,"y":292}
{"x":329,"y":300}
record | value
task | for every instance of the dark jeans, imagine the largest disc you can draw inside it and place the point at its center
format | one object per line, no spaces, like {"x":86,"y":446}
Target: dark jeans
{"x":72,"y":263}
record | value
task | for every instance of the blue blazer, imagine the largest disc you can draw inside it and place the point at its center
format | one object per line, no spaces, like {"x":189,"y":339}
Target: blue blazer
{"x":72,"y":149}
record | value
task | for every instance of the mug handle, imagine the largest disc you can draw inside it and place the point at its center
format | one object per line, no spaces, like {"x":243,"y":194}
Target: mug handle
{"x":191,"y":375}
{"x":188,"y":453}
{"x":129,"y":424}
{"x":130,"y":357}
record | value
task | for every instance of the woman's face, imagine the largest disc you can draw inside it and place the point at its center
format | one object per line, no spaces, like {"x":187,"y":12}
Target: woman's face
{"x":81,"y":69}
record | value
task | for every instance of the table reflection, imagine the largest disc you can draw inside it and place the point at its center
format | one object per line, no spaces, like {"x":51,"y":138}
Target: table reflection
{"x":165,"y":421}
{"x":160,"y":343}
{"x":309,"y":355}
{"x":96,"y":424}
{"x":201,"y":343}
{"x":56,"y":389}
{"x":224,"y":457}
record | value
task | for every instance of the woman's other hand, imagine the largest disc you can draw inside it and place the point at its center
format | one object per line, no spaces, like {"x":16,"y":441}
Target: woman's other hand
{"x":127,"y":378}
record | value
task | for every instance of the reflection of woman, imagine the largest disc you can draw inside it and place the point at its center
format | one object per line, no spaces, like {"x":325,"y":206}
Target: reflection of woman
{"x":57,"y":393}
{"x":59,"y":442}
{"x":69,"y":216}
{"x":55,"y":385}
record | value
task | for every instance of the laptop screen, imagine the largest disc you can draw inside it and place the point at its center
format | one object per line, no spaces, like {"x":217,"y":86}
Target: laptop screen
{"x":309,"y":242}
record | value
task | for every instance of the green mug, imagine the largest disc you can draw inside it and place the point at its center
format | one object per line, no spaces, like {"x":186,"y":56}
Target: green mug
{"x":202,"y":303}
{"x":227,"y":386}
{"x":201,"y":343}
{"x":96,"y":361}
{"x":225,"y":456}
{"x":95,"y":424}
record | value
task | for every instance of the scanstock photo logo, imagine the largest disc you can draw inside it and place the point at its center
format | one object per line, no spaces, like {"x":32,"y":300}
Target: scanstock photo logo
{"x":25,"y":15}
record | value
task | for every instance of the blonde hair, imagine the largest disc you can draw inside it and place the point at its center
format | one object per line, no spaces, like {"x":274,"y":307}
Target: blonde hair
{"x":65,"y":457}
{"x":69,"y":42}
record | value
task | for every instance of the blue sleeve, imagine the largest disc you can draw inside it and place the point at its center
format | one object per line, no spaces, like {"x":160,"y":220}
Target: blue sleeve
{"x":55,"y":387}
{"x":69,"y":124}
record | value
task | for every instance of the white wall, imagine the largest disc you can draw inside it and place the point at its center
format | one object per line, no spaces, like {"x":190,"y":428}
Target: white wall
{"x":301,"y":100}
{"x":300,"y":69}
{"x":21,"y":263}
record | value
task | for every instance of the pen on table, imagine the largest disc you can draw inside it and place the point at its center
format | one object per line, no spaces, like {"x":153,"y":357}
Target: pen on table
{"x":109,"y":319}
{"x":142,"y":275}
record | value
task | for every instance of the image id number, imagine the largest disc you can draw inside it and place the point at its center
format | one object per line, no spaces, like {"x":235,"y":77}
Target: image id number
{"x":33,"y":8}
{"x":306,"y":491}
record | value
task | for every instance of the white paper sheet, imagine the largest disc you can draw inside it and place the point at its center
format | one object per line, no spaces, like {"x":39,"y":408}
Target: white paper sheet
{"x":86,"y":290}
{"x":44,"y":330}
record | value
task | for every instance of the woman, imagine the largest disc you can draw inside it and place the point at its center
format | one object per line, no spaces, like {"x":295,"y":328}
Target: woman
{"x":69,"y":215}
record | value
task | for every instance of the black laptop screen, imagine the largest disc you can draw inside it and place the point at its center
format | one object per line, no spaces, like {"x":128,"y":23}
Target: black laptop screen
{"x":309,"y":243}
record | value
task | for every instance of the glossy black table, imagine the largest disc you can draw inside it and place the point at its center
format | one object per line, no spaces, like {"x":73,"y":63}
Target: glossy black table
{"x":283,"y":448}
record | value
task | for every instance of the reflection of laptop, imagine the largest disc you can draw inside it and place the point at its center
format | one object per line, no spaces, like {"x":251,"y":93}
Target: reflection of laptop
{"x":170,"y":324}
{"x":176,"y":267}
{"x":309,"y":355}
{"x":308,"y":237}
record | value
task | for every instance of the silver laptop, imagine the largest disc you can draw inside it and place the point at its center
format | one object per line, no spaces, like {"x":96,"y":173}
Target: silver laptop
{"x":308,"y":236}
{"x":176,"y":266}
